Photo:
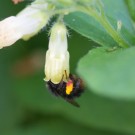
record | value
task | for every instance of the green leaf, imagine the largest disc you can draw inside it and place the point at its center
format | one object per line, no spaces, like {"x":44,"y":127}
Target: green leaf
{"x":90,"y":28}
{"x":131,"y":8}
{"x":54,"y":125}
{"x":110,"y":73}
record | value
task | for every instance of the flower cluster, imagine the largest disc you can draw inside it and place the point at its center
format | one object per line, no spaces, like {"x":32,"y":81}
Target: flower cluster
{"x":29,"y":22}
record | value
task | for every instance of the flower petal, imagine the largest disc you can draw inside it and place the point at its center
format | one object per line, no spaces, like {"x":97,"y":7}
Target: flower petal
{"x":8,"y":32}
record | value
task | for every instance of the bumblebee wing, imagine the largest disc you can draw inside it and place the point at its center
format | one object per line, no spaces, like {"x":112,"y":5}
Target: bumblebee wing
{"x":74,"y":103}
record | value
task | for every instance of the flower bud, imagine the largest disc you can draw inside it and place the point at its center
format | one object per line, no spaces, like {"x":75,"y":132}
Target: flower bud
{"x":57,"y":56}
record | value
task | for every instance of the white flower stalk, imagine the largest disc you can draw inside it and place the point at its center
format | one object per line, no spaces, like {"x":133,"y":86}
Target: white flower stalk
{"x":57,"y":56}
{"x":24,"y":25}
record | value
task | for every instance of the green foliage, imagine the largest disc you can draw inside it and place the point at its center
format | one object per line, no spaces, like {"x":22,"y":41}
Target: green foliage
{"x":110,"y":73}
{"x":105,"y":57}
{"x":131,"y":7}
{"x":92,"y":29}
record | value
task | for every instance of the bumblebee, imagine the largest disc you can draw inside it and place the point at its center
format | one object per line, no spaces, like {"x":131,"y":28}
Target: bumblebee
{"x":69,"y":90}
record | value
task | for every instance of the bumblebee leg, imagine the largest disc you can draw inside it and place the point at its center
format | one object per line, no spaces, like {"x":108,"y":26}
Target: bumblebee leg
{"x":74,"y":103}
{"x":66,"y":74}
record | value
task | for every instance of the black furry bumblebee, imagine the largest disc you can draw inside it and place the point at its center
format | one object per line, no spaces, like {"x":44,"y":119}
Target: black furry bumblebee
{"x":67,"y":90}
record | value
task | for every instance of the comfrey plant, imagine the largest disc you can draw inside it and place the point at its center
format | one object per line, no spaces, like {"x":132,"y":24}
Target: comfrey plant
{"x":76,"y":14}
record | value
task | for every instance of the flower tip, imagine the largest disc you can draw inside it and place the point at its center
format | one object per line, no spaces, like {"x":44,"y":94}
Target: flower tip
{"x":8,"y":33}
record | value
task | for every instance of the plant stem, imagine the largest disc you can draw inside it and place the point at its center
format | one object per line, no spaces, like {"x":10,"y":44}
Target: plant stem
{"x":107,"y":26}
{"x":113,"y":33}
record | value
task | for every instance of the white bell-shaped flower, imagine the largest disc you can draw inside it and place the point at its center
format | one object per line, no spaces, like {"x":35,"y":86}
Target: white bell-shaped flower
{"x":57,"y":56}
{"x":25,"y":24}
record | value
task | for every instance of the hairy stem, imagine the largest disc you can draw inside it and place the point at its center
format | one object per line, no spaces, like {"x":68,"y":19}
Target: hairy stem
{"x":101,"y":18}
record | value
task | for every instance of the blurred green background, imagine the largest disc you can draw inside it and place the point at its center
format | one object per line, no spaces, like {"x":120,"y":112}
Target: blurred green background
{"x":28,"y":108}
